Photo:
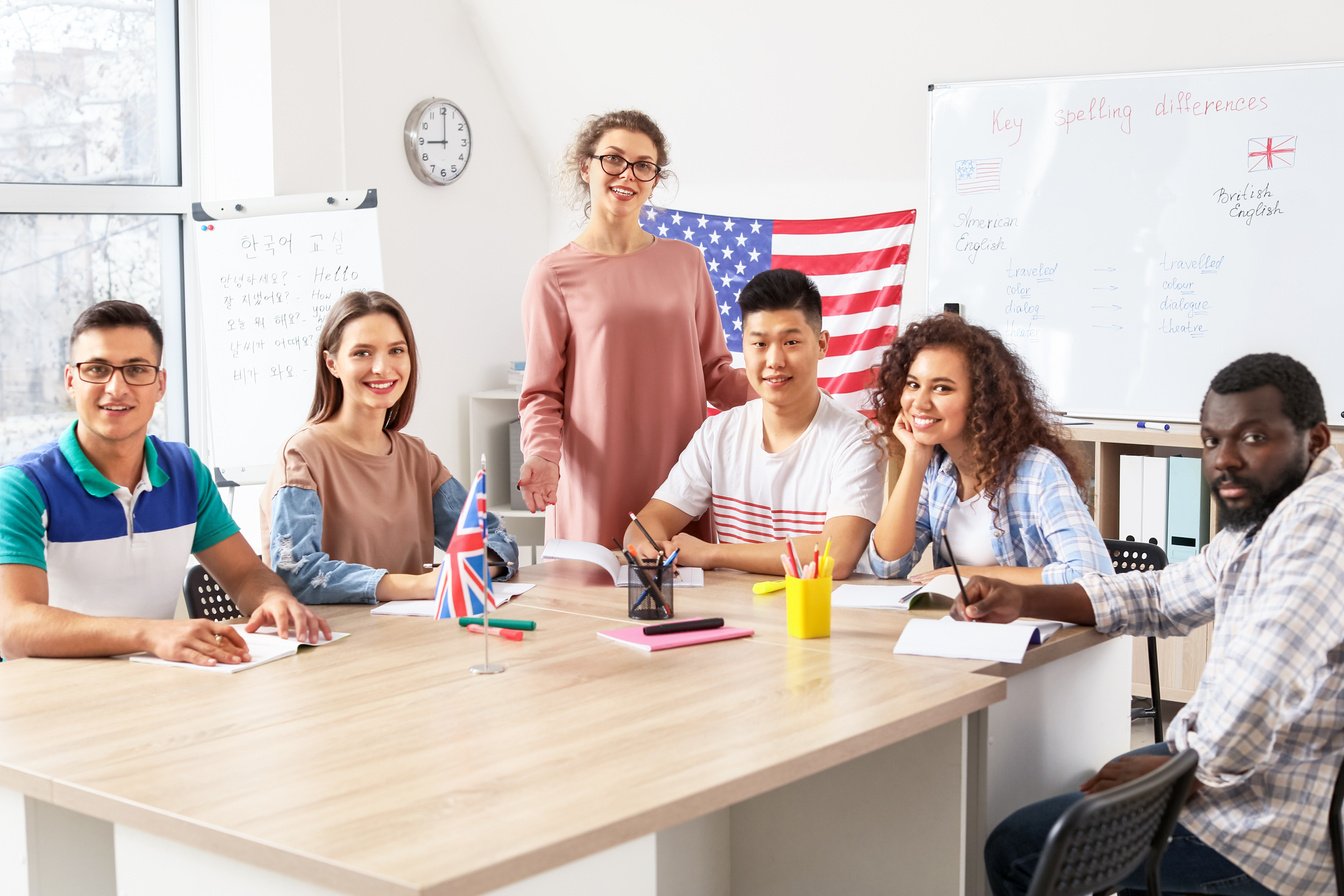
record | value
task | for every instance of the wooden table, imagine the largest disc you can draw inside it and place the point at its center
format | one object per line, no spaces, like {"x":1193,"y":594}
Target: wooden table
{"x":1066,"y":712}
{"x":380,"y":765}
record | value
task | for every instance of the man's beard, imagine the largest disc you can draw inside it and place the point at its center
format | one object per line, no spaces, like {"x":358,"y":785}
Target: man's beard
{"x":1262,"y":503}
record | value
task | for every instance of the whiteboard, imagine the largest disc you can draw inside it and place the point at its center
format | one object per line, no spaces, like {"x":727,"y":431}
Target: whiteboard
{"x":267,"y":280}
{"x":1130,"y":235}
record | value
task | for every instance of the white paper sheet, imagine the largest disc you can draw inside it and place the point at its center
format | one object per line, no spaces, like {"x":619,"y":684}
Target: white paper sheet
{"x":565,"y":549}
{"x":503,"y":591}
{"x":878,"y":597}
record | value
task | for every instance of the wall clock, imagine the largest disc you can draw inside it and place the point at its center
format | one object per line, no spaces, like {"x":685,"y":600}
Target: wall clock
{"x":438,"y":141}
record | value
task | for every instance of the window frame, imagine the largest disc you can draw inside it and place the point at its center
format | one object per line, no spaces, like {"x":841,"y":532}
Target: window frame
{"x":168,"y":200}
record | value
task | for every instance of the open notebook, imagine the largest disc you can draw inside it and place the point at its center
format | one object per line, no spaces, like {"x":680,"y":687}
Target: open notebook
{"x":565,"y":549}
{"x":264,"y":645}
{"x":948,"y":637}
{"x":939,"y":591}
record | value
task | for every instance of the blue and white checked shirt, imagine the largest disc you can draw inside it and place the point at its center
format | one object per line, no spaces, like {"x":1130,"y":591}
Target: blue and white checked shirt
{"x":1048,"y":525}
{"x":1268,"y":715}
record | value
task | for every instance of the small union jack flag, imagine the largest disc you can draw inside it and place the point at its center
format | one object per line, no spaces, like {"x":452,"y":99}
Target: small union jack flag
{"x":1269,"y":153}
{"x":464,"y":578}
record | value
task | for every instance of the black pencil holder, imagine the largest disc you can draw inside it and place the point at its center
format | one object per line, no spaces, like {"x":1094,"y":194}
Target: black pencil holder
{"x":650,"y":591}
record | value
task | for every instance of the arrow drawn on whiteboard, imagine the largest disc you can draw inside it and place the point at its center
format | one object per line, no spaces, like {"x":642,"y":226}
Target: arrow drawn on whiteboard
{"x":1107,"y":327}
{"x":1112,"y":307}
{"x":1105,"y":288}
{"x":1108,"y":270}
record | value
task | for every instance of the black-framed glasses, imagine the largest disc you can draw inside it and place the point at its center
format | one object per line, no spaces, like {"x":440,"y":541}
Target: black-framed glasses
{"x":643,"y":171}
{"x":99,"y":372}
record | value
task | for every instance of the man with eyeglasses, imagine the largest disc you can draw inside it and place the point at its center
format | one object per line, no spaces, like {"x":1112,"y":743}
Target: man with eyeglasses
{"x":95,"y":528}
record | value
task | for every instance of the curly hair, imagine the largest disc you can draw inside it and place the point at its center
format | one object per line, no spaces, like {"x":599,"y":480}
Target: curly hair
{"x":585,"y":142}
{"x":1300,"y":393}
{"x":1006,"y":416}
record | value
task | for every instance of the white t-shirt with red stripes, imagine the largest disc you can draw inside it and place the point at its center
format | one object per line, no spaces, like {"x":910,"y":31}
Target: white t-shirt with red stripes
{"x":831,"y":470}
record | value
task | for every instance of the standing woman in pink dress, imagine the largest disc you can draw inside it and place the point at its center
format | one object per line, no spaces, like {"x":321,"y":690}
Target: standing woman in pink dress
{"x":624,"y":344}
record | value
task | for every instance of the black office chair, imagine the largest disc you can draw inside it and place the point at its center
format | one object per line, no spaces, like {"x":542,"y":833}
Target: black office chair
{"x":1141,"y":556}
{"x":206,"y":598}
{"x":1103,"y":837}
{"x":1336,"y":836}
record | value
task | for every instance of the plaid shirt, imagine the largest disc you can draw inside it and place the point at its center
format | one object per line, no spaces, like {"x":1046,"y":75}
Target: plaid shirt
{"x":1047,"y":523}
{"x":1268,"y":716}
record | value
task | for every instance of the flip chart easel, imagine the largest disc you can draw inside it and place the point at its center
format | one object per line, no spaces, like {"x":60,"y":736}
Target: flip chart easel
{"x":269,"y":270}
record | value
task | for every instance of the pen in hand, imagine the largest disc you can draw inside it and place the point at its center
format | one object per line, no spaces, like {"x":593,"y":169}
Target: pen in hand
{"x":960,"y":584}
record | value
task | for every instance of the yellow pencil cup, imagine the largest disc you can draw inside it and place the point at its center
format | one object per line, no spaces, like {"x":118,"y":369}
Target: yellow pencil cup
{"x":809,"y":607}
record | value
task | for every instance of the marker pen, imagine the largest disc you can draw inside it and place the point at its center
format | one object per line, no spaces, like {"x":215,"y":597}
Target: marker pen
{"x":1142,"y":424}
{"x":687,"y":625}
{"x":526,"y":625}
{"x":506,"y":633}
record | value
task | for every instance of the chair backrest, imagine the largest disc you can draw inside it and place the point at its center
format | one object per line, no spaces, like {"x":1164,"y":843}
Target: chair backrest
{"x":1336,"y":836}
{"x":1135,"y":556}
{"x":1103,"y":837}
{"x":206,"y":598}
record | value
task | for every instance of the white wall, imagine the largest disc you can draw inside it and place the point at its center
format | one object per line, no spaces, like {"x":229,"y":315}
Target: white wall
{"x":794,"y":109}
{"x":773,"y":107}
{"x":345,"y":75}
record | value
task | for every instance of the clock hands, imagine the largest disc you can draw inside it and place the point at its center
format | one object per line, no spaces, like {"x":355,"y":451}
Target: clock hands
{"x":444,"y":141}
{"x":437,"y":162}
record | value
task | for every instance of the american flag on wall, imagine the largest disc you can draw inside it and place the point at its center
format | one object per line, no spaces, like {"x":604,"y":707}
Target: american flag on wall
{"x":857,"y":263}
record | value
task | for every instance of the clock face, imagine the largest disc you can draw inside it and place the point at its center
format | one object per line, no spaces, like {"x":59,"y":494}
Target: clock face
{"x":438,"y":141}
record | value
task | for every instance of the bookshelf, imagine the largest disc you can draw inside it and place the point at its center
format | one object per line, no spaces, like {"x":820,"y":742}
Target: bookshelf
{"x":489,"y":414}
{"x":1099,"y":444}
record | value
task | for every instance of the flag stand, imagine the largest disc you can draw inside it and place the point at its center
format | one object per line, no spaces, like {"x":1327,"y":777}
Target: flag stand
{"x":487,"y":667}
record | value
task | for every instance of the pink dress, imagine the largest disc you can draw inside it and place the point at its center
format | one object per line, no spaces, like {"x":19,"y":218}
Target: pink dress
{"x":622,"y":353}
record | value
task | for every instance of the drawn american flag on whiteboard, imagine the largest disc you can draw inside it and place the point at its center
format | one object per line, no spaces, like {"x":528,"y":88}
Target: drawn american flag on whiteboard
{"x":978,"y":175}
{"x":857,"y":263}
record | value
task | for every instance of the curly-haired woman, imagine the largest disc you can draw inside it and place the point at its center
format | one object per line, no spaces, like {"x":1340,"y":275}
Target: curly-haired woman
{"x":982,"y":464}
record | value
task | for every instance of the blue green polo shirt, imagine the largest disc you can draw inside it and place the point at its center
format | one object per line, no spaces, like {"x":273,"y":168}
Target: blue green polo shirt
{"x":108,"y":551}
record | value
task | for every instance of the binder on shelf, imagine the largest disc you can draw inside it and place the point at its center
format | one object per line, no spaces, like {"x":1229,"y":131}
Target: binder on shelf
{"x":1187,"y":508}
{"x":1143,"y":500}
{"x":1131,"y":496}
{"x":1154,"y":522}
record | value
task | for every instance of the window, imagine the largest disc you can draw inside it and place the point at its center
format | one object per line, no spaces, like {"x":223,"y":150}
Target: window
{"x":91,"y":195}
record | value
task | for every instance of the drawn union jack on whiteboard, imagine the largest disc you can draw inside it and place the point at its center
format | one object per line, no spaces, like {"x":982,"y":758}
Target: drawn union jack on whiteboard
{"x":1269,"y":153}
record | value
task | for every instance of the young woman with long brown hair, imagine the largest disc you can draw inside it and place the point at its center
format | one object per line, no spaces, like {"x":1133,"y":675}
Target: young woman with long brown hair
{"x":355,"y":506}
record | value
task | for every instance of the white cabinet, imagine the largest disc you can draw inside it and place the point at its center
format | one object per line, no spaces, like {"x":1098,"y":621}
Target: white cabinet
{"x":488,"y":417}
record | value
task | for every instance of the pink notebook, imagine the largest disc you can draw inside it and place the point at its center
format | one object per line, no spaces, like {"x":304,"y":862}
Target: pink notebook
{"x":634,"y":636}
